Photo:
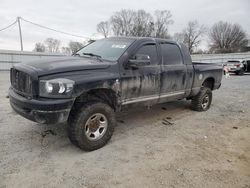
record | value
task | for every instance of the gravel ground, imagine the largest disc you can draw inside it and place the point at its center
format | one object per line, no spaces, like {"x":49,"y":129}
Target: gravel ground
{"x":208,"y":149}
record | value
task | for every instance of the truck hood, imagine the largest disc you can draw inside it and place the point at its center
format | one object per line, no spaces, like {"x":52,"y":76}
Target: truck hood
{"x":62,"y":64}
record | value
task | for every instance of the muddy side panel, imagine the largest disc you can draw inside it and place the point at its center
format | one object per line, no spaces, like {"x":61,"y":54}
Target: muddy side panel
{"x":205,"y":71}
{"x":140,"y":85}
{"x":174,"y":72}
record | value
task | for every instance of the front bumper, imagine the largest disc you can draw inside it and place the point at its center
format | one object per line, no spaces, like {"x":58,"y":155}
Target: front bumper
{"x":46,"y":111}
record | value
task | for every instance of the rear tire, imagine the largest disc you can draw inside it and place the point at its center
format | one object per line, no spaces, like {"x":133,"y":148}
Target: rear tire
{"x":202,"y":101}
{"x":91,"y":126}
{"x":241,"y":72}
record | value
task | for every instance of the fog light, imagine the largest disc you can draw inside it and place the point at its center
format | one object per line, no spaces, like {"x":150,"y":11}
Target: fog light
{"x":39,"y":118}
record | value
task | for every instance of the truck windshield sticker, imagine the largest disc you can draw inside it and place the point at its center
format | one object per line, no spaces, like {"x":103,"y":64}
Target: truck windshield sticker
{"x":118,"y":46}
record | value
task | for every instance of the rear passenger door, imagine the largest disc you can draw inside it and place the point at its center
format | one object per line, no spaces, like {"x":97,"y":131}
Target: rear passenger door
{"x":174,"y":72}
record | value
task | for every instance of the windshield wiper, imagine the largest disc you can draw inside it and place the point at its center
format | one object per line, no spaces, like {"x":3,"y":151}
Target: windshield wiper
{"x":93,"y":55}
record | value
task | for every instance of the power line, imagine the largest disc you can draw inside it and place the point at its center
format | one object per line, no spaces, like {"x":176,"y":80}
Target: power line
{"x":62,"y":32}
{"x":8,"y":26}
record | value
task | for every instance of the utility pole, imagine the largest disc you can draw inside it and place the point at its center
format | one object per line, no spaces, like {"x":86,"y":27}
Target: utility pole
{"x":20,"y":33}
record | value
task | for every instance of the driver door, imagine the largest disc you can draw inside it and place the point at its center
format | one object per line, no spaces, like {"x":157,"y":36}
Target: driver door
{"x":143,"y":83}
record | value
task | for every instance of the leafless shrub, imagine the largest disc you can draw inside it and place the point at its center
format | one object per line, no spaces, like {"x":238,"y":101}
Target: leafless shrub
{"x":122,"y":22}
{"x":52,"y":45}
{"x":192,"y":35}
{"x":75,"y":46}
{"x":143,"y":24}
{"x":39,"y":47}
{"x":162,"y":21}
{"x":103,"y":28}
{"x":139,"y":23}
{"x":226,"y":37}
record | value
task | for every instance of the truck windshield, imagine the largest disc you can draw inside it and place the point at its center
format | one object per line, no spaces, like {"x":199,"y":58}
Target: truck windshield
{"x":109,"y":49}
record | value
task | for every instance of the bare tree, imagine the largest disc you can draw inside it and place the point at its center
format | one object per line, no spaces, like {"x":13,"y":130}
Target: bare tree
{"x":39,"y":47}
{"x":143,"y":24}
{"x":226,"y":37}
{"x":140,"y":23}
{"x":52,"y":45}
{"x":178,"y":37}
{"x":103,"y":28}
{"x":122,"y":22}
{"x":75,"y":46}
{"x":191,"y":35}
{"x":161,"y":23}
{"x":66,"y":50}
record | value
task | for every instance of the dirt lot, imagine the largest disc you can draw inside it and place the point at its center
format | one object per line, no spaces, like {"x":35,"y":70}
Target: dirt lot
{"x":209,"y":149}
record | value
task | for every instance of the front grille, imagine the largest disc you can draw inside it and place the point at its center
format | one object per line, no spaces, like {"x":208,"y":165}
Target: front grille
{"x":21,"y":81}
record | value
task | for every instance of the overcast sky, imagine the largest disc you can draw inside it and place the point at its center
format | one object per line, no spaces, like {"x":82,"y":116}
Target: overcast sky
{"x":80,"y":17}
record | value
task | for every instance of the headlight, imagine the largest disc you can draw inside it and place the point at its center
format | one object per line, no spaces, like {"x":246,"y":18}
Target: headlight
{"x":56,"y":88}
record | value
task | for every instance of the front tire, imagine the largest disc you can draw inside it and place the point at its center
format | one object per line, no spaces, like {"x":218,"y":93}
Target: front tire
{"x":91,"y":126}
{"x":202,"y":101}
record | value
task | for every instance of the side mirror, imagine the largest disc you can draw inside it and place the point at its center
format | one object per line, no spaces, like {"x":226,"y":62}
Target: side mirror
{"x":138,"y":61}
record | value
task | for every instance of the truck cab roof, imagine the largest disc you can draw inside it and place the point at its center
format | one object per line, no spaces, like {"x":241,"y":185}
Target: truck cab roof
{"x":144,"y":39}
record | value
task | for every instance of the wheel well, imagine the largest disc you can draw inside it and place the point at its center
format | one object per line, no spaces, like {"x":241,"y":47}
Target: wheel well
{"x":209,"y":83}
{"x":103,"y":95}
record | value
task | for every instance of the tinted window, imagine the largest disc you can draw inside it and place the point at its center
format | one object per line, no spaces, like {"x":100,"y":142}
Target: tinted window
{"x":171,"y":54}
{"x":150,"y":50}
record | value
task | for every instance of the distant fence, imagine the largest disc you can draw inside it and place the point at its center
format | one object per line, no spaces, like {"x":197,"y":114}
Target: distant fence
{"x":220,"y":58}
{"x":8,"y":58}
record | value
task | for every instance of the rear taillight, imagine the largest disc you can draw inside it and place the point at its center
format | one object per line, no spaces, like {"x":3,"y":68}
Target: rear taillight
{"x":237,"y":65}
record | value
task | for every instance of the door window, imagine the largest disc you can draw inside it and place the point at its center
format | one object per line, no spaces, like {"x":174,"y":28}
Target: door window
{"x":150,"y":50}
{"x":171,"y":54}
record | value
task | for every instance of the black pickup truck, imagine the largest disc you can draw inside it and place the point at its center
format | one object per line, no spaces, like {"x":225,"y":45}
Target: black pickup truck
{"x":106,"y":76}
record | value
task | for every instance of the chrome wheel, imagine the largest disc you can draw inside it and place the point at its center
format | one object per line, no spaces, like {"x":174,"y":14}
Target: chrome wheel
{"x":205,"y":102}
{"x":96,"y":126}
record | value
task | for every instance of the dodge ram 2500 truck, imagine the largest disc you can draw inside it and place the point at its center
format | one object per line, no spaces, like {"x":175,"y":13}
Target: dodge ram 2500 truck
{"x":106,"y":76}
